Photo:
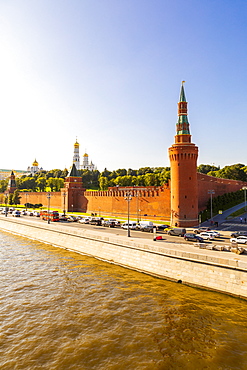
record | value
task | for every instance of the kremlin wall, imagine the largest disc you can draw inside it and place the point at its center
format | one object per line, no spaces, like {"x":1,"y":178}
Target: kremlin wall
{"x":179,"y":202}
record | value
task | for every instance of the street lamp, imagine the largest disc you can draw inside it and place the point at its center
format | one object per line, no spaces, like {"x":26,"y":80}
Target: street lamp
{"x":48,"y":198}
{"x":128,"y":197}
{"x":211,"y":192}
{"x":64,"y":195}
{"x":6,"y":205}
{"x":244,"y":188}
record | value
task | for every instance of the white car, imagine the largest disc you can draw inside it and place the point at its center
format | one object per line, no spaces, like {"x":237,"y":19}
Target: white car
{"x":239,"y":239}
{"x":206,"y":235}
{"x":215,"y":233}
{"x":84,"y":220}
{"x":132,"y":225}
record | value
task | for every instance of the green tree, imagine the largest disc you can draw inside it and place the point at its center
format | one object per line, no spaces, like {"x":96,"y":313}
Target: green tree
{"x":103,"y":183}
{"x":205,"y":168}
{"x":41,"y":183}
{"x":3,"y":185}
{"x":16,"y":197}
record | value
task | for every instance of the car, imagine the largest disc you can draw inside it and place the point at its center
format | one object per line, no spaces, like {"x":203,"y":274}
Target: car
{"x":116,"y":222}
{"x":16,"y":214}
{"x":36,"y":213}
{"x":95,"y":221}
{"x":215,"y":233}
{"x":177,"y":231}
{"x":147,"y":228}
{"x":108,"y":223}
{"x":132,"y":225}
{"x":239,"y":239}
{"x":201,"y":229}
{"x":193,"y":237}
{"x":71,"y":218}
{"x":63,"y":218}
{"x":30,"y":213}
{"x":238,"y":233}
{"x":24,"y":212}
{"x":206,"y":235}
{"x":84,"y":220}
{"x":162,"y":227}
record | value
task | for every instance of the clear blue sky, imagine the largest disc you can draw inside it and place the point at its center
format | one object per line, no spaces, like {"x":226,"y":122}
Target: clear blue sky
{"x":109,"y":73}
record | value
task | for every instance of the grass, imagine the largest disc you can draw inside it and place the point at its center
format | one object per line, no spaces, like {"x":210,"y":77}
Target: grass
{"x":237,"y":213}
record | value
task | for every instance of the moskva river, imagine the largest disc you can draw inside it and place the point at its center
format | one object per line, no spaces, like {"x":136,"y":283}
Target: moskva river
{"x":61,"y":311}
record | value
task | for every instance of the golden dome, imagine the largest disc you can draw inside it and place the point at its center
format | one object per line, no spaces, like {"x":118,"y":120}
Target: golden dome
{"x":76,"y":145}
{"x":35,"y":163}
{"x":85,"y":155}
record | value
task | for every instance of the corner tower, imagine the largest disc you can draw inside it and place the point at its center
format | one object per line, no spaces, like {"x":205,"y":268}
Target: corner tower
{"x":183,"y":159}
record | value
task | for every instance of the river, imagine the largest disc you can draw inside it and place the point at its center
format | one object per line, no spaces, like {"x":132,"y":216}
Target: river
{"x":61,"y":311}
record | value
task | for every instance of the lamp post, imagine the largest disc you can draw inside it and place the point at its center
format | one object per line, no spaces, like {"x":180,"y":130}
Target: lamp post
{"x":26,"y":200}
{"x":64,"y":196}
{"x":128,"y":197}
{"x":6,"y":205}
{"x":211,"y":192}
{"x":244,"y":188}
{"x":48,"y":198}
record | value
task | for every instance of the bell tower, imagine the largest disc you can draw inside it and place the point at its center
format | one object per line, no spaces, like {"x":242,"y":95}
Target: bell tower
{"x":183,"y":159}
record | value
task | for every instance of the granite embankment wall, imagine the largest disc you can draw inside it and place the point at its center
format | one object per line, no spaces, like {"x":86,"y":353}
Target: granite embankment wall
{"x":222,"y":271}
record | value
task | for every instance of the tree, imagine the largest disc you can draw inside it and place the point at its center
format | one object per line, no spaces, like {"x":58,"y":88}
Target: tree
{"x":205,"y":168}
{"x":3,"y":185}
{"x":41,"y":183}
{"x":103,"y":183}
{"x":16,"y":197}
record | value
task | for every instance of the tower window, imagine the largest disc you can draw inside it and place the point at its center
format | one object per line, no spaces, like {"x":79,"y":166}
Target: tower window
{"x":185,"y":196}
{"x":184,"y":216}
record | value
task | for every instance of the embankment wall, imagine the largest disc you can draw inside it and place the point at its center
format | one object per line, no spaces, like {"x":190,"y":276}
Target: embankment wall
{"x":220,"y":271}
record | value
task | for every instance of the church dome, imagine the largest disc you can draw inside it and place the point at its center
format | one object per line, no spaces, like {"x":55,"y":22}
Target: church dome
{"x":35,"y":163}
{"x":76,"y":145}
{"x":85,"y":155}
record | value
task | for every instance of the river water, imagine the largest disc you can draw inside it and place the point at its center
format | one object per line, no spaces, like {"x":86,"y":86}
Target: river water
{"x":61,"y":311}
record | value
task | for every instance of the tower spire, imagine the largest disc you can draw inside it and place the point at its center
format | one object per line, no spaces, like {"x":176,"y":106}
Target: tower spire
{"x":183,"y":127}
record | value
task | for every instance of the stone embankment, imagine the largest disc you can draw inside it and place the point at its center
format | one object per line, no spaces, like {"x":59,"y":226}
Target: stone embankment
{"x":211,"y":269}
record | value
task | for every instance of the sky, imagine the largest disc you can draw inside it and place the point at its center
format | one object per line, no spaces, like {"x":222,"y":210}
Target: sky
{"x":109,"y":72}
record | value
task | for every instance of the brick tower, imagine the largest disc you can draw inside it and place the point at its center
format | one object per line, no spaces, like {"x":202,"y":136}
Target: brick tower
{"x":11,"y":184}
{"x":73,"y":192}
{"x":183,"y":158}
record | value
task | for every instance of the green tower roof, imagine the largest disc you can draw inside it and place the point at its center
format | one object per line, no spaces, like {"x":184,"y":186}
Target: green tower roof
{"x":182,"y":93}
{"x":74,"y":172}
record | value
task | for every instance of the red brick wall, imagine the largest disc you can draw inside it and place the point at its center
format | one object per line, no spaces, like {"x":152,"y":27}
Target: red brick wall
{"x":220,"y":186}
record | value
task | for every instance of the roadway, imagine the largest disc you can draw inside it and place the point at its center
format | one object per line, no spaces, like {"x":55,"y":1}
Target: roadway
{"x":135,"y":234}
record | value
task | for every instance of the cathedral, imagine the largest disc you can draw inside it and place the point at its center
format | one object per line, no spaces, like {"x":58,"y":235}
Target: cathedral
{"x":76,"y":159}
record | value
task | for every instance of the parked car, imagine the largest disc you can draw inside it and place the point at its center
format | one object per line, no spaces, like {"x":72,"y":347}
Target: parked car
{"x":162,"y":227}
{"x":239,"y":239}
{"x":116,"y":222}
{"x":238,"y":233}
{"x":206,"y":235}
{"x":96,"y":221}
{"x":16,"y":214}
{"x":132,"y":225}
{"x":84,"y":220}
{"x":147,"y":228}
{"x":177,"y":231}
{"x":71,"y":218}
{"x":63,"y":218}
{"x":108,"y":223}
{"x":36,"y":213}
{"x":201,"y":229}
{"x":30,"y":213}
{"x":24,"y":212}
{"x":193,"y":237}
